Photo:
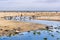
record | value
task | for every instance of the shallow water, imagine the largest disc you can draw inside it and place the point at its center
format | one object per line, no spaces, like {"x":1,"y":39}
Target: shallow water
{"x":30,"y":36}
{"x":53,"y":34}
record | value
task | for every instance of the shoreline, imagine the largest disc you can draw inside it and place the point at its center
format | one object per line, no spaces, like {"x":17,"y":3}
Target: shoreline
{"x":9,"y":27}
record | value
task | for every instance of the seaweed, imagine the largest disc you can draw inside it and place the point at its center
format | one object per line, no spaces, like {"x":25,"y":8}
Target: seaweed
{"x":38,"y":33}
{"x":45,"y":38}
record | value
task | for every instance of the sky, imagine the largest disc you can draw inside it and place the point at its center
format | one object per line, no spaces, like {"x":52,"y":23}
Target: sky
{"x":29,"y":5}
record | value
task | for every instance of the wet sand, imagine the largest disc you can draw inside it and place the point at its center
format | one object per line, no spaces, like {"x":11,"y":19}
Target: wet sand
{"x":8,"y":27}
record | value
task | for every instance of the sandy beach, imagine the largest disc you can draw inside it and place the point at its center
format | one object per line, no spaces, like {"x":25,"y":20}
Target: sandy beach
{"x":8,"y":27}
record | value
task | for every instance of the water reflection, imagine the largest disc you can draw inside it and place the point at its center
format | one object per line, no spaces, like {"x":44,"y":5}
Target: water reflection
{"x":18,"y":18}
{"x":31,"y":19}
